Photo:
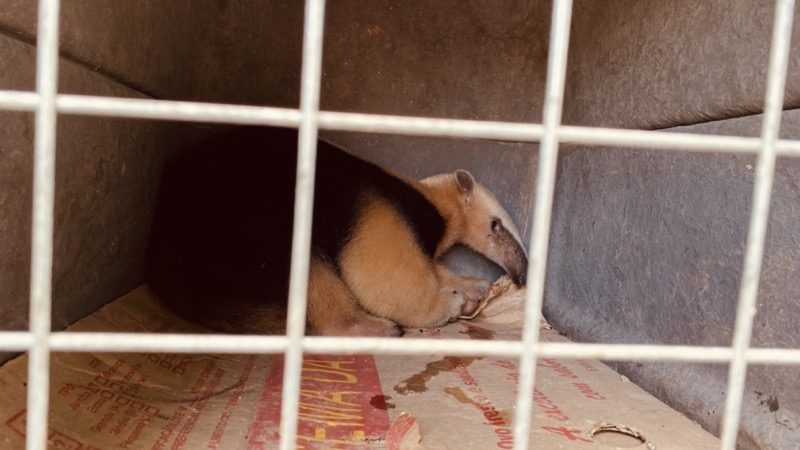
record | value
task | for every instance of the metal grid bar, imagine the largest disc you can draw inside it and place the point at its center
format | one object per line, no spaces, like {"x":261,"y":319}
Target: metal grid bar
{"x":376,"y":123}
{"x":762,"y":191}
{"x":203,"y":343}
{"x":545,"y":188}
{"x":39,"y":341}
{"x":42,"y":225}
{"x":311,"y":78}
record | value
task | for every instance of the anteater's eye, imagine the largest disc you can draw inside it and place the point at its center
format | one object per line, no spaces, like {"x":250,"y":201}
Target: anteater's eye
{"x":495,"y":224}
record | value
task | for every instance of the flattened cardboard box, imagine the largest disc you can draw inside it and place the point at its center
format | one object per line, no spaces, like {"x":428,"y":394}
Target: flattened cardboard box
{"x":191,"y":401}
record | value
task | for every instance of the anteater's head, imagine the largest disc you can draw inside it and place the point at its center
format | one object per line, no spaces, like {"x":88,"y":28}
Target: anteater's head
{"x":485,"y":226}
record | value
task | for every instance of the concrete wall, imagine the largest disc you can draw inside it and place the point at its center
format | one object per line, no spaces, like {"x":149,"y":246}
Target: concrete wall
{"x":107,"y":176}
{"x":216,"y":51}
{"x":660,"y":64}
{"x":647,"y":246}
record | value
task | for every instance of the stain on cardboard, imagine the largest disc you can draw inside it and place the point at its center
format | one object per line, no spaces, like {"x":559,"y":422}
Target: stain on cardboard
{"x":417,"y":383}
{"x":381,"y":402}
{"x":477,"y":333}
{"x":497,"y":416}
{"x":459,"y":395}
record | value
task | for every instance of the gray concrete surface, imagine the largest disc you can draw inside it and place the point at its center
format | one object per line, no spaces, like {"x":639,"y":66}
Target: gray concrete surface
{"x":106,"y":176}
{"x":648,"y":247}
{"x":660,"y":64}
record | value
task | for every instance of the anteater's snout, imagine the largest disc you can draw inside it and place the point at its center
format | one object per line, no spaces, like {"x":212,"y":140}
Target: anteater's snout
{"x":521,"y":277}
{"x":518,"y":269}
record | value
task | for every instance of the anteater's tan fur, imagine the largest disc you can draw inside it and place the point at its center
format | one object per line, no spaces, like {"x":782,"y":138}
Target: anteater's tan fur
{"x":384,"y":271}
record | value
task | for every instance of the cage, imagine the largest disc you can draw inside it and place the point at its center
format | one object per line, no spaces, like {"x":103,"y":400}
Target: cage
{"x":645,"y":149}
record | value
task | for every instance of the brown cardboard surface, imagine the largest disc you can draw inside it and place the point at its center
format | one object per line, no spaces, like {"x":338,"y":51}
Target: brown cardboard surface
{"x":174,"y":401}
{"x":134,"y":400}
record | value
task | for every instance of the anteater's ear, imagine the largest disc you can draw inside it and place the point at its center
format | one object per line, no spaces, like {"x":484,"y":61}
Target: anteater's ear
{"x":465,"y":182}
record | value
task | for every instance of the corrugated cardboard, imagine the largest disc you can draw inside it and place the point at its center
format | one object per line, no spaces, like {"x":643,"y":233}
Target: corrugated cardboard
{"x":175,"y":401}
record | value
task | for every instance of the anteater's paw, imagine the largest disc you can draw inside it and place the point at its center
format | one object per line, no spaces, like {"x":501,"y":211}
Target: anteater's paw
{"x":457,"y":303}
{"x":472,"y":291}
{"x":374,"y":326}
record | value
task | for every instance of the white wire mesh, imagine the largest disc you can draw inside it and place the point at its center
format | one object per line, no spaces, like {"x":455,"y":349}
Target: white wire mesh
{"x":376,"y":123}
{"x":42,"y":225}
{"x":545,"y":188}
{"x":301,"y":246}
{"x":39,"y":341}
{"x":762,"y":192}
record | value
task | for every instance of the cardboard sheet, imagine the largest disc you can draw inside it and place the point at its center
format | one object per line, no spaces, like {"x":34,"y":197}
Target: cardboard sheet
{"x":177,"y":401}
